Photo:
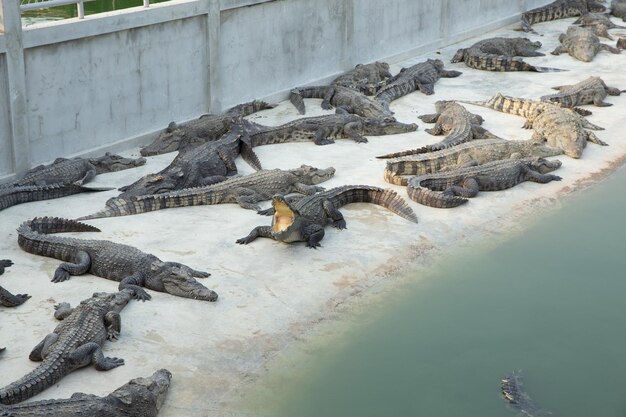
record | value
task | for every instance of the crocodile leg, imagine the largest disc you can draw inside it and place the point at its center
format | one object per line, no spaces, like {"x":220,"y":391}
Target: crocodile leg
{"x":81,"y":266}
{"x":426,"y":88}
{"x":535,"y":176}
{"x":8,"y":299}
{"x":331,"y":211}
{"x":321,"y":137}
{"x":609,"y":48}
{"x":227,"y":157}
{"x":307,"y":189}
{"x":90,"y":175}
{"x":598,"y":100}
{"x":330,"y":92}
{"x":480,"y":132}
{"x":62,"y":310}
{"x":135,"y":283}
{"x":249,"y":200}
{"x":42,"y":349}
{"x":450,"y":73}
{"x":559,"y":50}
{"x":113,"y":323}
{"x":436,"y":130}
{"x":313,"y":234}
{"x":259,"y":231}
{"x":468,"y":189}
{"x":5,"y":263}
{"x":91,"y":353}
{"x":350,"y":129}
{"x":591,"y":137}
{"x":430,"y":118}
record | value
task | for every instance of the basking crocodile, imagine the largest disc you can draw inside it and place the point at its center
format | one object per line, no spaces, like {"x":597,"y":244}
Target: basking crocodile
{"x":420,"y":76}
{"x":10,"y":196}
{"x":205,"y":164}
{"x":499,"y":54}
{"x":512,"y":388}
{"x":133,"y":268}
{"x":556,"y":126}
{"x":453,"y":120}
{"x":75,"y":343}
{"x":344,"y":99}
{"x":323,"y":129}
{"x":618,"y":9}
{"x":140,"y":397}
{"x":366,"y":78}
{"x":582,"y":44}
{"x":246,"y":191}
{"x":465,"y":182}
{"x":559,"y":9}
{"x":466,"y":154}
{"x":6,"y":298}
{"x":76,"y":171}
{"x":591,"y":90}
{"x":304,"y":219}
{"x":206,"y":128}
{"x":599,"y":23}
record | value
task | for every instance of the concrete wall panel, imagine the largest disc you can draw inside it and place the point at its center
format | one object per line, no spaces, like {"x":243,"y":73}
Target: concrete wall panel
{"x":87,"y":93}
{"x":6,"y":149}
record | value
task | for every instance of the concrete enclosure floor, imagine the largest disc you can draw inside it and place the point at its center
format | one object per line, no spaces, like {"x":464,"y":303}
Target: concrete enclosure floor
{"x":271,"y":294}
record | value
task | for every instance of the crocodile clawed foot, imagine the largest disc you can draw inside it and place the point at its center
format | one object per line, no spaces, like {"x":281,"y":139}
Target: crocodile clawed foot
{"x":22,"y":298}
{"x":110,"y":363}
{"x":313,"y":245}
{"x":141,"y":295}
{"x":361,"y":140}
{"x":61,"y":306}
{"x":112,"y":334}
{"x":6,"y":263}
{"x":339,"y":224}
{"x":61,"y":275}
{"x":200,"y":274}
{"x":555,"y":178}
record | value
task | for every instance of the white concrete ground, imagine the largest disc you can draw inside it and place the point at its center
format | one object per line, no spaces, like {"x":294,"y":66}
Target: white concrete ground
{"x":272,"y":294}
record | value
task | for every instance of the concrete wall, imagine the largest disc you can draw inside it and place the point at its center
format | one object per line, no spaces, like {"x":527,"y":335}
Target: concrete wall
{"x":114,"y":80}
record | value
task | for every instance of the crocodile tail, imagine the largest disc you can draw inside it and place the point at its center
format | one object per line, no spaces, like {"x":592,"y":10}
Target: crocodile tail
{"x":380,"y":196}
{"x":249,"y":155}
{"x":431,"y":198}
{"x":544,"y":69}
{"x":392,"y":173}
{"x":10,"y":196}
{"x":247,"y":109}
{"x":48,"y":373}
{"x":408,"y":152}
{"x":50,"y":225}
{"x":296,"y":99}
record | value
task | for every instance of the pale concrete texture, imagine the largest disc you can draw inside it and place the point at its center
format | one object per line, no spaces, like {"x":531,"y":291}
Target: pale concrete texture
{"x":272,"y":294}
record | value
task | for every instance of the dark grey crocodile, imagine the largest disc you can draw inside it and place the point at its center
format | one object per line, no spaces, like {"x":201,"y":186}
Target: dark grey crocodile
{"x":556,"y":126}
{"x":366,"y":78}
{"x":6,"y":298}
{"x":132,"y":268}
{"x":591,"y":90}
{"x":76,"y":171}
{"x":582,"y":44}
{"x":420,"y":77}
{"x":75,"y":343}
{"x":205,"y":164}
{"x":512,"y":388}
{"x":500,"y":54}
{"x":618,"y":9}
{"x":206,"y":128}
{"x":452,"y":120}
{"x":247,"y":191}
{"x":322,"y":130}
{"x":10,"y":196}
{"x":344,"y":99}
{"x":466,"y":154}
{"x":559,"y":9}
{"x":304,"y":219}
{"x":140,"y":397}
{"x":453,"y":188}
{"x":599,"y":23}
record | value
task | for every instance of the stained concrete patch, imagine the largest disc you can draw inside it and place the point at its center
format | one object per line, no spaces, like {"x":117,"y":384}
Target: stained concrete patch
{"x":271,"y":294}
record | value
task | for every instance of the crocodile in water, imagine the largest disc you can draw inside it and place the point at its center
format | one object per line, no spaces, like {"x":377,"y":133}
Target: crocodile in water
{"x":582,"y":44}
{"x":247,"y":191}
{"x":512,"y":388}
{"x":140,"y":397}
{"x":304,"y":219}
{"x":500,"y":54}
{"x":75,"y":343}
{"x":452,"y":188}
{"x":132,"y":268}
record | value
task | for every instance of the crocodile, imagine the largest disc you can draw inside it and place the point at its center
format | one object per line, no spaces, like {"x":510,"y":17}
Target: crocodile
{"x":591,"y":90}
{"x":76,"y":171}
{"x":618,"y":9}
{"x":559,"y":9}
{"x":207,"y":127}
{"x":500,"y":54}
{"x":455,"y":121}
{"x":466,"y":154}
{"x":140,"y":397}
{"x":75,"y":343}
{"x":323,"y":129}
{"x":6,"y":298}
{"x":247,"y":191}
{"x":10,"y":196}
{"x":132,"y":268}
{"x":599,"y":23}
{"x":512,"y":388}
{"x":458,"y":185}
{"x":582,"y":44}
{"x":420,"y":76}
{"x":366,"y":78}
{"x":344,"y":99}
{"x":304,"y":219}
{"x":621,"y":43}
{"x":556,"y":126}
{"x":205,"y":164}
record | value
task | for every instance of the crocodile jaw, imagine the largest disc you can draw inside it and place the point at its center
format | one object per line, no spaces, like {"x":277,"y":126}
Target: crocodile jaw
{"x":283,"y":215}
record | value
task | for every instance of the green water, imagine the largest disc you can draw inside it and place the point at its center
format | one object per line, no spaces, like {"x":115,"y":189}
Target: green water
{"x":549,"y":301}
{"x":67,"y":11}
